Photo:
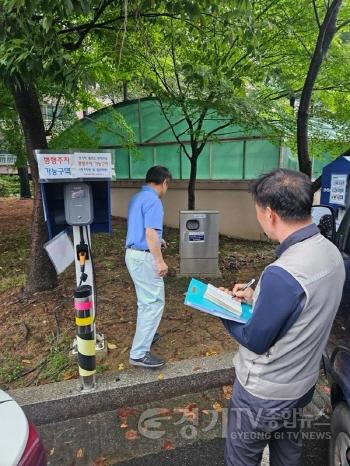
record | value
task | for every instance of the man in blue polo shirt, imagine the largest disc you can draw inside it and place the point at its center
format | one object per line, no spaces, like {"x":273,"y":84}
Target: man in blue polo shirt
{"x":145,"y":263}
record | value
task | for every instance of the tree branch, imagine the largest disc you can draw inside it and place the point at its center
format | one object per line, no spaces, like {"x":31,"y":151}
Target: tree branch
{"x":316,"y":13}
{"x":207,"y":136}
{"x":132,"y":15}
{"x":343,"y":24}
{"x":173,"y":130}
{"x":334,"y":88}
{"x":89,"y":26}
{"x":54,"y":116}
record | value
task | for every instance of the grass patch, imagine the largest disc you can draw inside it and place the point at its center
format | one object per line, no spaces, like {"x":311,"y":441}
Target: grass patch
{"x":101,"y":368}
{"x":9,"y":185}
{"x":58,"y":365}
{"x":6,"y":282}
{"x":10,"y":368}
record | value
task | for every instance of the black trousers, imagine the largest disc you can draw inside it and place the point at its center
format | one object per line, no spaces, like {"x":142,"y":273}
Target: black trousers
{"x":254,"y":423}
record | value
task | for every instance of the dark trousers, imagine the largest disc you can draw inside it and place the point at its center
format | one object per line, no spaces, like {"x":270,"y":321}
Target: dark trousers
{"x":253,"y":423}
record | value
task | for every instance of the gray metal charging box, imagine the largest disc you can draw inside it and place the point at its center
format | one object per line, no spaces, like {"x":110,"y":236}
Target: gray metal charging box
{"x":78,"y":204}
{"x":199,"y":243}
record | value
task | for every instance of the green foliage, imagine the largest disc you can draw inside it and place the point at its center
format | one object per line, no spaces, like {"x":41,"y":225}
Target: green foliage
{"x":30,"y":43}
{"x":207,"y":63}
{"x":13,"y":140}
{"x":10,"y":368}
{"x":290,"y":60}
{"x":73,"y":137}
{"x":57,"y":361}
{"x":9,"y":185}
{"x":101,"y":368}
{"x":79,"y":135}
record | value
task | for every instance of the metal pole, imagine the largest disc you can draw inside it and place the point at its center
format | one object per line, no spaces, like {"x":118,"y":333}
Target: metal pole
{"x":99,"y":338}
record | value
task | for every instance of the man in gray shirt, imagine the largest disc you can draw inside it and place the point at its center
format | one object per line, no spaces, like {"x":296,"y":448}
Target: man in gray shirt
{"x":294,"y":305}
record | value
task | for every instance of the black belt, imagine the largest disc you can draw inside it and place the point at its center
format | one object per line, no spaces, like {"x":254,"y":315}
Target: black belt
{"x":135,"y":249}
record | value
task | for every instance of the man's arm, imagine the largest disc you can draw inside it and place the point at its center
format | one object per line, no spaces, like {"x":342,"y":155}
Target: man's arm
{"x":280,"y":302}
{"x":154,"y":246}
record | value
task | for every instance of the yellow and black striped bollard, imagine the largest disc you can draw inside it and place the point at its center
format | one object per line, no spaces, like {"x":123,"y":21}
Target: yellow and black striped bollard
{"x":86,"y":338}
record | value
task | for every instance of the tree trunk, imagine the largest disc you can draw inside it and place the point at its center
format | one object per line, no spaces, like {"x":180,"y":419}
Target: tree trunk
{"x":192,"y":183}
{"x":326,"y":33}
{"x":125,"y":91}
{"x":24,"y":182}
{"x":41,"y":274}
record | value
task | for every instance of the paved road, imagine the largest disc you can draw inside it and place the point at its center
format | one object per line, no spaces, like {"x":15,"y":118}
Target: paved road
{"x":211,"y":454}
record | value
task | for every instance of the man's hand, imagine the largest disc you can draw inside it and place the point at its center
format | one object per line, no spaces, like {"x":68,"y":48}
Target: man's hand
{"x":154,"y":244}
{"x":245,"y":296}
{"x":162,"y":268}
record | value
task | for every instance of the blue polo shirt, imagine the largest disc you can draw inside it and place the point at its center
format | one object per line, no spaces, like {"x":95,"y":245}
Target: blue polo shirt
{"x":145,"y":211}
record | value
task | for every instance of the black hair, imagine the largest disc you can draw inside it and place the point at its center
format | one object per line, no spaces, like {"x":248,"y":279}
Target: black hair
{"x":287,"y":192}
{"x":158,"y":175}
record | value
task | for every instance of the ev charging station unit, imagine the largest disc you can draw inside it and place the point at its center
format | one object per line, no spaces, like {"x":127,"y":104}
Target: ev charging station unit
{"x":335,"y":187}
{"x":199,"y":243}
{"x":75,"y":189}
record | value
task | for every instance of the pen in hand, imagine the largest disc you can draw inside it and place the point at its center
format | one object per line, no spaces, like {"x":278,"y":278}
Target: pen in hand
{"x":245,"y":286}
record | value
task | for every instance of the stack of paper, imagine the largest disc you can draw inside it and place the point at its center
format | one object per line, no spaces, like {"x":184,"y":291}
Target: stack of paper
{"x":223,"y":299}
{"x":195,"y":298}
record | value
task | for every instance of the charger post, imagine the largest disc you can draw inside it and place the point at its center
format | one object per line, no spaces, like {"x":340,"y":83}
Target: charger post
{"x":75,"y":190}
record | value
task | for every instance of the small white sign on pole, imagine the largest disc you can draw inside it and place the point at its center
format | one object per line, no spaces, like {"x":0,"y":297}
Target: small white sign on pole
{"x":61,"y":252}
{"x":338,"y":189}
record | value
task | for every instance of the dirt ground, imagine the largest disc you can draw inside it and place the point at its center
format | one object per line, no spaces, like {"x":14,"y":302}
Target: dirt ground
{"x":36,"y":333}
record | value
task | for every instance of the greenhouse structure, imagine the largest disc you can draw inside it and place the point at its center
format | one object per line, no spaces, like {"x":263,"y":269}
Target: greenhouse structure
{"x":225,"y":166}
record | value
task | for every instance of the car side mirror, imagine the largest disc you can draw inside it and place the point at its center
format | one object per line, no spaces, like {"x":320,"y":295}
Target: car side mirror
{"x":324,"y":218}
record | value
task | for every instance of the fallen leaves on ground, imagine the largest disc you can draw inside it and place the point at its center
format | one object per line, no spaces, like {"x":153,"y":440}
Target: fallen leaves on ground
{"x":121,"y":367}
{"x":168,"y":445}
{"x":123,"y":414}
{"x":131,"y":434}
{"x":160,"y":377}
{"x":217,"y":406}
{"x":227,"y":389}
{"x":100,"y":462}
{"x":211,"y":353}
{"x":111,"y":346}
{"x":190,"y":411}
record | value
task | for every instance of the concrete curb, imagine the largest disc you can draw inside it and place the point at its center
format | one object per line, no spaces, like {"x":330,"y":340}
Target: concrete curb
{"x":64,"y":400}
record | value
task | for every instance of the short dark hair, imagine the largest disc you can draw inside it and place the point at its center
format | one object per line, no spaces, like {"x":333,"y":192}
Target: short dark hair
{"x":287,"y":192}
{"x":158,"y":175}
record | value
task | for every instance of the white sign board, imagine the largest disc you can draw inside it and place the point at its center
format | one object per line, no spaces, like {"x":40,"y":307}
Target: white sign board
{"x":61,"y":252}
{"x":55,"y":166}
{"x":89,"y":165}
{"x":338,"y":189}
{"x":76,"y":165}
